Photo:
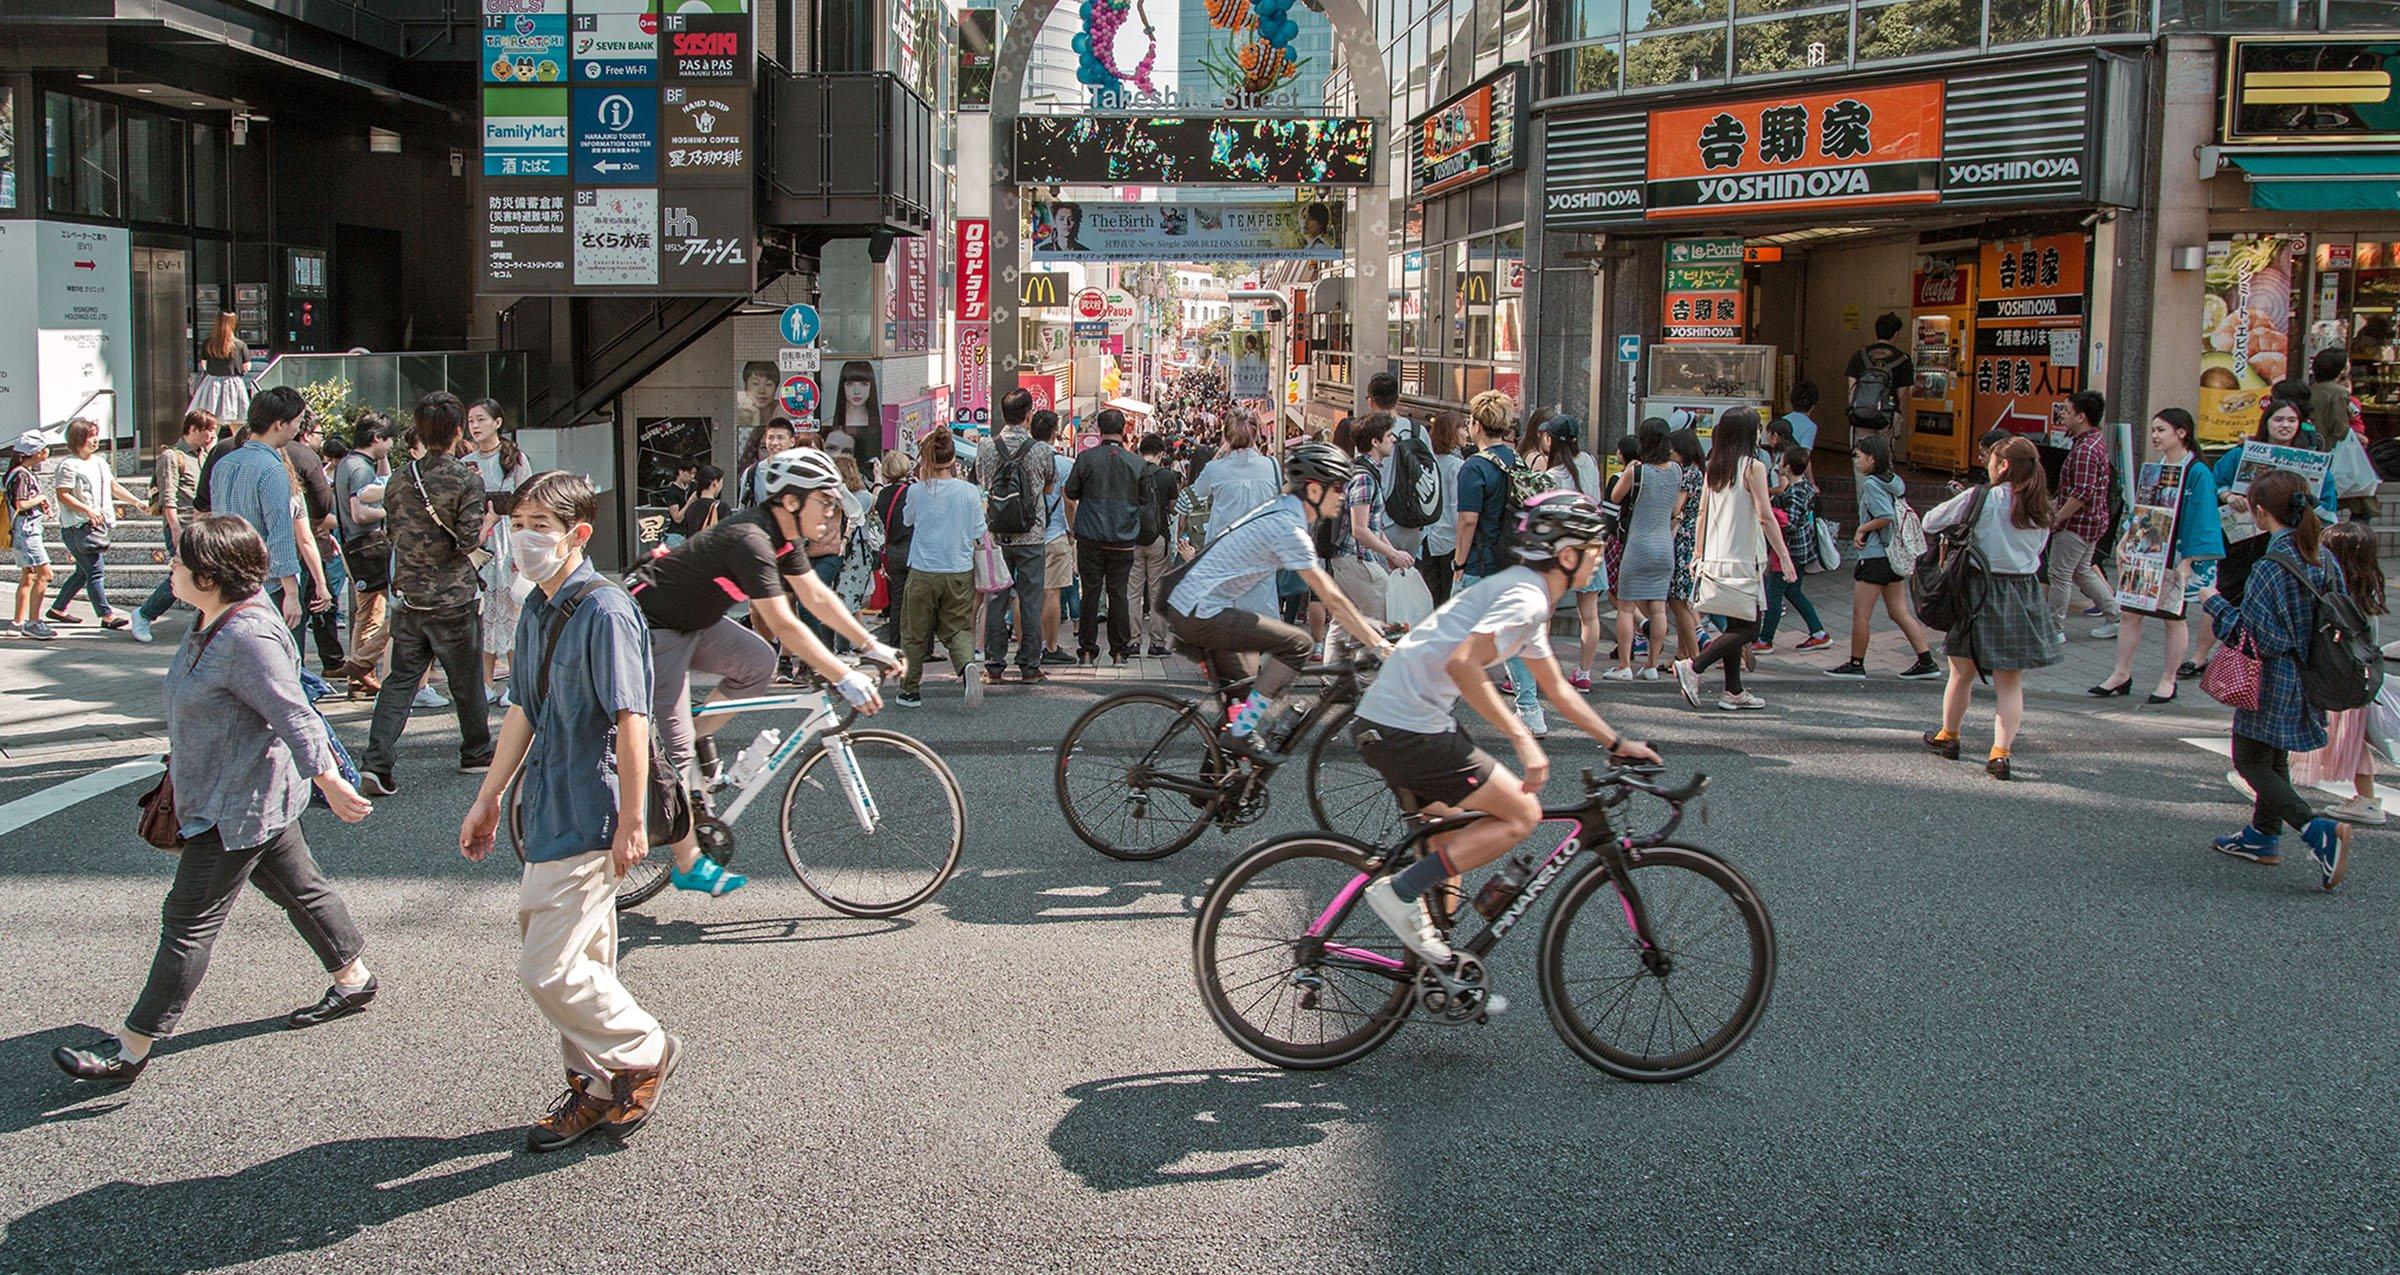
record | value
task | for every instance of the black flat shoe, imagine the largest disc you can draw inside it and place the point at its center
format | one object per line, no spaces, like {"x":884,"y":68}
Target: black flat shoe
{"x":2103,"y":692}
{"x":1947,"y":749}
{"x":2159,"y":699}
{"x":2187,"y":671}
{"x":100,"y":1062}
{"x":337,"y":1004}
{"x":1997,"y":768}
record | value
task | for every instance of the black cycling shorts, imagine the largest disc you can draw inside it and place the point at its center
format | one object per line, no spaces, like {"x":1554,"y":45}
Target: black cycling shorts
{"x":1447,"y":767}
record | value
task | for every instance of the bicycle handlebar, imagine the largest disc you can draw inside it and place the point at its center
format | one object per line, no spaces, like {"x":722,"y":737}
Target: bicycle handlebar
{"x":846,"y":712}
{"x":1636,"y":777}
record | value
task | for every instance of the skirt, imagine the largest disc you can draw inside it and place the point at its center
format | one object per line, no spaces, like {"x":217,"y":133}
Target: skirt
{"x":2008,"y":628}
{"x":225,"y":397}
{"x":2344,"y":755}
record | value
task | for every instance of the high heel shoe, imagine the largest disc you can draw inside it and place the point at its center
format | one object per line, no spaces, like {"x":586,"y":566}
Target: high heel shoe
{"x":2105,"y":691}
{"x":2160,"y":699}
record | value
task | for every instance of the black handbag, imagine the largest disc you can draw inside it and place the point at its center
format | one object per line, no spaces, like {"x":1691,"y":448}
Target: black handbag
{"x":1943,"y":580}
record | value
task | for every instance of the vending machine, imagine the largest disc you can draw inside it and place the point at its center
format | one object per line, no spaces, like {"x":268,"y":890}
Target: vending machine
{"x":1942,"y":341}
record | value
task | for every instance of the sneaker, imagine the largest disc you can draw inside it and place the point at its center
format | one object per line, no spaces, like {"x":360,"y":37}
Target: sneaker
{"x":1762,"y":647}
{"x":2329,"y":844}
{"x":571,"y":1119}
{"x":8,"y":628}
{"x":1617,"y":675}
{"x":974,"y":680}
{"x":2251,"y":844}
{"x":496,"y":697}
{"x":909,"y":699}
{"x":637,"y":1090}
{"x":141,"y":629}
{"x":1580,"y":680}
{"x":1410,"y":921}
{"x":2095,"y":610}
{"x":994,"y":674}
{"x":40,"y":631}
{"x":1815,"y":642}
{"x":1641,"y":646}
{"x":375,"y":785}
{"x":1649,"y":673}
{"x":707,"y":877}
{"x":2107,"y":630}
{"x":1923,"y":668}
{"x":1856,"y":669}
{"x":1087,"y":658}
{"x":1536,"y":722}
{"x":1743,"y":702}
{"x":1687,"y":680}
{"x":1057,"y":656}
{"x":1032,"y":674}
{"x":427,"y":697}
{"x":2366,"y":810}
{"x":1507,"y":686}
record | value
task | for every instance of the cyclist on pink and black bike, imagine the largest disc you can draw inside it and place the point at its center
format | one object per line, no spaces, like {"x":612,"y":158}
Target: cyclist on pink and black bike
{"x":1406,"y":724}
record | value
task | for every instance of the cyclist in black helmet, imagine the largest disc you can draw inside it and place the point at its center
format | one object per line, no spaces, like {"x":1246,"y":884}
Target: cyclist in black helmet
{"x":1201,"y":595}
{"x":1407,"y":729}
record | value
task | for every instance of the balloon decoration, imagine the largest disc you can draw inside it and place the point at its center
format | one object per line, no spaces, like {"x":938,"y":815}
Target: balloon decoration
{"x":1096,"y":46}
{"x":1256,"y":54}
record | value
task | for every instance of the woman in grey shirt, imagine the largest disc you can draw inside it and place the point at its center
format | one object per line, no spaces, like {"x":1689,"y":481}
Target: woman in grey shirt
{"x":244,"y":749}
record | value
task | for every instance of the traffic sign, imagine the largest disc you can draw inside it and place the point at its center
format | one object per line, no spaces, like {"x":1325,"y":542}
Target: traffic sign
{"x":1629,"y":349}
{"x":1091,"y":305}
{"x":800,"y":324}
{"x":1092,"y":330}
{"x":801,"y":359}
{"x":800,"y":396}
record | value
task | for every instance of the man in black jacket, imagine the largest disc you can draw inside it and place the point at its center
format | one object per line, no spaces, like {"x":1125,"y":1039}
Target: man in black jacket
{"x":1104,"y":509}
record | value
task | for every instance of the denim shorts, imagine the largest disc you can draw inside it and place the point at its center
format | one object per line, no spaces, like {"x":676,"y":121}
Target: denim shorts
{"x":29,"y":549}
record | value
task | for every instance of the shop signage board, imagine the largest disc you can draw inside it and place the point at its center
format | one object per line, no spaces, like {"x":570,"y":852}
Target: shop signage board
{"x":1704,"y":294}
{"x":2144,"y":581}
{"x":799,"y":359}
{"x":1959,"y":139}
{"x":1106,"y":231}
{"x":1081,"y":150}
{"x":69,"y":328}
{"x":973,"y":304}
{"x":642,"y":143}
{"x":1043,"y":387}
{"x":1042,"y":290}
{"x":1475,"y":135}
{"x":972,"y":390}
{"x":2248,"y":310}
{"x":2295,"y":90}
{"x":2029,"y":292}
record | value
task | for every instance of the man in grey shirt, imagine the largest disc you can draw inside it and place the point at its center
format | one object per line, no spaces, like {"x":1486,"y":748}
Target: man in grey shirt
{"x":1025,"y":551}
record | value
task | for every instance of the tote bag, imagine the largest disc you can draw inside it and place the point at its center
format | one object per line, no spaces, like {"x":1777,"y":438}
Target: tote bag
{"x":991,"y":568}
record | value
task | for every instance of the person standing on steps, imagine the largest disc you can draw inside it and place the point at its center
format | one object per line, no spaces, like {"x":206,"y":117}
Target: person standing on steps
{"x":2083,"y":483}
{"x":172,"y":485}
{"x":433,"y":511}
{"x":1881,"y":496}
{"x":1104,"y":503}
{"x":1877,"y":376}
{"x":1017,"y":477}
{"x":2008,"y":629}
{"x":89,"y":496}
{"x":580,"y":725}
{"x":244,"y":750}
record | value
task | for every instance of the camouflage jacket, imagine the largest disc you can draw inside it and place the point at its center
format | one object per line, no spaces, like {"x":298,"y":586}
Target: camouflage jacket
{"x":430,"y":567}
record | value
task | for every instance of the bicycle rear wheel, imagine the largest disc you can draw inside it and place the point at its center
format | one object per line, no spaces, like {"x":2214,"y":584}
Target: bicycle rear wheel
{"x":1346,"y":793}
{"x":1268,"y":981}
{"x":636,"y":888}
{"x":920,"y":825}
{"x":1137,"y":775}
{"x":1685,"y":1009}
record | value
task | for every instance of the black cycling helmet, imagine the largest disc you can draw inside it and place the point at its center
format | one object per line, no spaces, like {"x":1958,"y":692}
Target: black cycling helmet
{"x":1554,"y":520}
{"x":1317,"y":463}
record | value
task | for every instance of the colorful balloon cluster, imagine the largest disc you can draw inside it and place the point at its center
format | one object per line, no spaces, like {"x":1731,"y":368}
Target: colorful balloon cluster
{"x":1096,"y":45}
{"x":1258,"y":64}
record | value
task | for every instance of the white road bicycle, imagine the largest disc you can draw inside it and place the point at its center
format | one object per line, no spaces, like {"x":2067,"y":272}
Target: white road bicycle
{"x":872,"y":821}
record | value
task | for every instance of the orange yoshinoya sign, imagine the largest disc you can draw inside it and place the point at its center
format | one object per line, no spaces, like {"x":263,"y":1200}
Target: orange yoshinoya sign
{"x":1860,"y":147}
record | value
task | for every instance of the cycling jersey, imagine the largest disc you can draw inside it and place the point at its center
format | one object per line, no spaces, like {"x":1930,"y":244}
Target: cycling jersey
{"x":1414,"y":691}
{"x":1274,"y":538}
{"x":690,"y":588}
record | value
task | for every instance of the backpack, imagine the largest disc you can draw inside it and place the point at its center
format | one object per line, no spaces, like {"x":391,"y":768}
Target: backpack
{"x":1875,"y":400}
{"x":669,"y":815}
{"x":1416,"y":497}
{"x":1015,"y":506}
{"x":1158,"y":509}
{"x":897,"y":534}
{"x":1904,"y":542}
{"x":1524,"y":483}
{"x":2343,"y":668}
{"x":1942,"y":582}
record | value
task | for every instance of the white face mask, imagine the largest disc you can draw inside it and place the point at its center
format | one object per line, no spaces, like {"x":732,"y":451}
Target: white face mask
{"x":537,"y":553}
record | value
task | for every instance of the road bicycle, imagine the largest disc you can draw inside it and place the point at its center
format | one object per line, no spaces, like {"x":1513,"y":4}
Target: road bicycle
{"x":1660,"y":986}
{"x":872,"y":821}
{"x":1143,"y":773}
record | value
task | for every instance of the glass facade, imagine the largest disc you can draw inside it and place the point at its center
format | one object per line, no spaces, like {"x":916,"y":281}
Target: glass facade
{"x":104,"y":161}
{"x":2278,"y":15}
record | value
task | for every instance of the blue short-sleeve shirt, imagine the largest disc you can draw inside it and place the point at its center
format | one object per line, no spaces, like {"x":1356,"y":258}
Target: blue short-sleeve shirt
{"x":601,"y":669}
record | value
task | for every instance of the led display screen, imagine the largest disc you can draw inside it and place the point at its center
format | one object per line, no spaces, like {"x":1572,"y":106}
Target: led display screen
{"x":1108,"y":150}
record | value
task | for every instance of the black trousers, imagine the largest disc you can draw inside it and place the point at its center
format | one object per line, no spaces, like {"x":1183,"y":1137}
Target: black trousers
{"x":1233,"y":632}
{"x":1438,"y":571}
{"x":1727,"y":646}
{"x":1104,"y":568}
{"x":208,"y":879}
{"x":455,"y":637}
{"x":2268,"y":771}
{"x":325,"y":625}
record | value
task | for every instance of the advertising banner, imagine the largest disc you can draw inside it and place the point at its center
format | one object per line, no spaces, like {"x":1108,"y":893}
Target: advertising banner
{"x":2247,"y":313}
{"x":908,"y":302}
{"x":1250,"y":371}
{"x":2029,"y":315}
{"x":665,"y":442}
{"x":1704,"y":294}
{"x":1081,"y":150}
{"x":1066,"y":230}
{"x":973,"y":386}
{"x":1859,"y":148}
{"x":1043,"y":387}
{"x":525,"y":41}
{"x":706,"y":46}
{"x":973,"y":304}
{"x":616,"y":238}
{"x":705,"y":135}
{"x":704,"y":245}
{"x":525,"y":132}
{"x":2144,"y":581}
{"x":2258,"y":458}
{"x":614,"y":40}
{"x":1473,"y":136}
{"x":8,"y":149}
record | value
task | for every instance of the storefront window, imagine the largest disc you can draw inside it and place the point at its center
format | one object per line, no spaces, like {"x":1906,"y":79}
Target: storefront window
{"x":1590,"y":68}
{"x":1792,"y":44}
{"x":153,"y":168}
{"x":1572,"y":20}
{"x":2023,"y":21}
{"x":1508,"y":315}
{"x":1658,"y":15}
{"x":82,"y":169}
{"x":2272,"y":15}
{"x":2360,"y":15}
{"x":1680,"y":58}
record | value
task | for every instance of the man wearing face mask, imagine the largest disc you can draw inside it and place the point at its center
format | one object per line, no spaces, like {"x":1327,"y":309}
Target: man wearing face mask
{"x":759,"y":556}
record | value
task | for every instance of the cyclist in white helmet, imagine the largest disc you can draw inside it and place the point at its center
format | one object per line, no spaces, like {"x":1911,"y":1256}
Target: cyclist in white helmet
{"x":758,"y":556}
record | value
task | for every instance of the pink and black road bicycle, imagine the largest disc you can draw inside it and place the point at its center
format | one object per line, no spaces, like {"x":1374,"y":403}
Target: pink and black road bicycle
{"x":1656,"y":964}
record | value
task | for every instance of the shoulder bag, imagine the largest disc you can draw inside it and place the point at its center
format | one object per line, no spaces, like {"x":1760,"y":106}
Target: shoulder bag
{"x":475,"y":553}
{"x":1942,"y":579}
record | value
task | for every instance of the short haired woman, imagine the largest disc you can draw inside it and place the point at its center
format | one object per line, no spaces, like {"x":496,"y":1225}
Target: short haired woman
{"x":2008,"y":629}
{"x":89,"y":495}
{"x":244,"y":747}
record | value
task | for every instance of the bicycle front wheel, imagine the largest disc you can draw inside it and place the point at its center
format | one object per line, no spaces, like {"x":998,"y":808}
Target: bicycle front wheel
{"x":1138,"y":775}
{"x":918,"y":824}
{"x":1281,"y":977}
{"x":1673,"y":1012}
{"x":1344,"y":792}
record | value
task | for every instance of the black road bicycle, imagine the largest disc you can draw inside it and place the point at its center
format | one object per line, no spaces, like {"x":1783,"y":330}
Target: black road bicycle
{"x":1655,"y":965}
{"x":1143,"y":773}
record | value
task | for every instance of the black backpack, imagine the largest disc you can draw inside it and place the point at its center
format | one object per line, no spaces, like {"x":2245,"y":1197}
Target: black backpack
{"x":2343,"y":668}
{"x":1875,"y":400}
{"x":1016,"y":504}
{"x":1416,"y":496}
{"x":1158,"y":507}
{"x":1944,"y":579}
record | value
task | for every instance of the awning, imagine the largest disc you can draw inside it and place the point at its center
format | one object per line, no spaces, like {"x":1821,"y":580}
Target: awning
{"x":1132,"y":407}
{"x":2323,"y":183}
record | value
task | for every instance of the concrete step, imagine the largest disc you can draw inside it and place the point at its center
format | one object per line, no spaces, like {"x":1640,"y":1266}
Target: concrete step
{"x":119,"y":555}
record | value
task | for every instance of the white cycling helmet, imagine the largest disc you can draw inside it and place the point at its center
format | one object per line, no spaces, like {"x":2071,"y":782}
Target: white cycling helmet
{"x":800,"y":469}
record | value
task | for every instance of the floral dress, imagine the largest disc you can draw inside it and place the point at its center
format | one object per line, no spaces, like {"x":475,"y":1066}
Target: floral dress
{"x":1687,"y":533}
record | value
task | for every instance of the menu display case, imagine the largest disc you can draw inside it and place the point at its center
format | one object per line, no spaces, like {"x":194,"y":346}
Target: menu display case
{"x":1692,"y":385}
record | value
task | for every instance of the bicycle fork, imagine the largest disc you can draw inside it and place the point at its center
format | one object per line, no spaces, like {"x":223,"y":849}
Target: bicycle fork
{"x":854,"y":784}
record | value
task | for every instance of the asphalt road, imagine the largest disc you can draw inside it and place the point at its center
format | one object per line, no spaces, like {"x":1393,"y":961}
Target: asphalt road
{"x":2021,"y":1027}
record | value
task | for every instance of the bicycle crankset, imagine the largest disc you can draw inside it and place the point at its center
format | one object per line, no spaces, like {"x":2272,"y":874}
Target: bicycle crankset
{"x":715,"y":836}
{"x":1456,"y":994}
{"x":1246,"y":804}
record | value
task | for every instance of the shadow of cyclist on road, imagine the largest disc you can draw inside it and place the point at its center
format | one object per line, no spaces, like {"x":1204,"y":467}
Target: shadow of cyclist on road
{"x":1137,"y":1131}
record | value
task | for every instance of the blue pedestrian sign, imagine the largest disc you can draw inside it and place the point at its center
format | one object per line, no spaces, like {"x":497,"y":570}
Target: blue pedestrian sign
{"x":800,"y":325}
{"x":1629,"y":349}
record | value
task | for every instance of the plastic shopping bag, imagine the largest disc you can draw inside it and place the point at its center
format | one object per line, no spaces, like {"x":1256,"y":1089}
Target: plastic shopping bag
{"x":1406,"y":600}
{"x":2353,"y":473}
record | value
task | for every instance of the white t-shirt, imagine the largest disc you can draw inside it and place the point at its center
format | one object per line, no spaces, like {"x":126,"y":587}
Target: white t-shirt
{"x":1414,"y":690}
{"x":90,"y":479}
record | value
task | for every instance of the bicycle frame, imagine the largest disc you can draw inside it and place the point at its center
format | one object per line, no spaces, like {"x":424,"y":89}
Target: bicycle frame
{"x":1340,"y":691}
{"x":822,"y":724}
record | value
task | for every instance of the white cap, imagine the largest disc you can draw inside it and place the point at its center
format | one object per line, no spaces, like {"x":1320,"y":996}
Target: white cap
{"x":32,"y":442}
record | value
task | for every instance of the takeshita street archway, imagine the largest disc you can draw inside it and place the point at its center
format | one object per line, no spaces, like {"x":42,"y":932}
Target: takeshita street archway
{"x":1370,"y":226}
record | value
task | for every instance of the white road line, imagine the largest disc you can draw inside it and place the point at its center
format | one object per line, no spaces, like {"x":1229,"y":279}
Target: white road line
{"x":42,"y":805}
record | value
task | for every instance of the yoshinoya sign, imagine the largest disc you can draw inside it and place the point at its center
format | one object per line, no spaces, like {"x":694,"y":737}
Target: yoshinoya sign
{"x":1475,"y":135}
{"x":1959,"y":139}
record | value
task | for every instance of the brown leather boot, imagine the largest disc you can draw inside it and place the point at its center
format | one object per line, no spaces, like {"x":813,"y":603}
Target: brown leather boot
{"x":638,"y":1090}
{"x":573,"y":1116}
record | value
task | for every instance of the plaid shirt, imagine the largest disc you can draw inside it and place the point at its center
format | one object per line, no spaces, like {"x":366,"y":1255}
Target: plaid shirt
{"x":1362,"y":492}
{"x":2280,"y":616}
{"x":2085,"y":475}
